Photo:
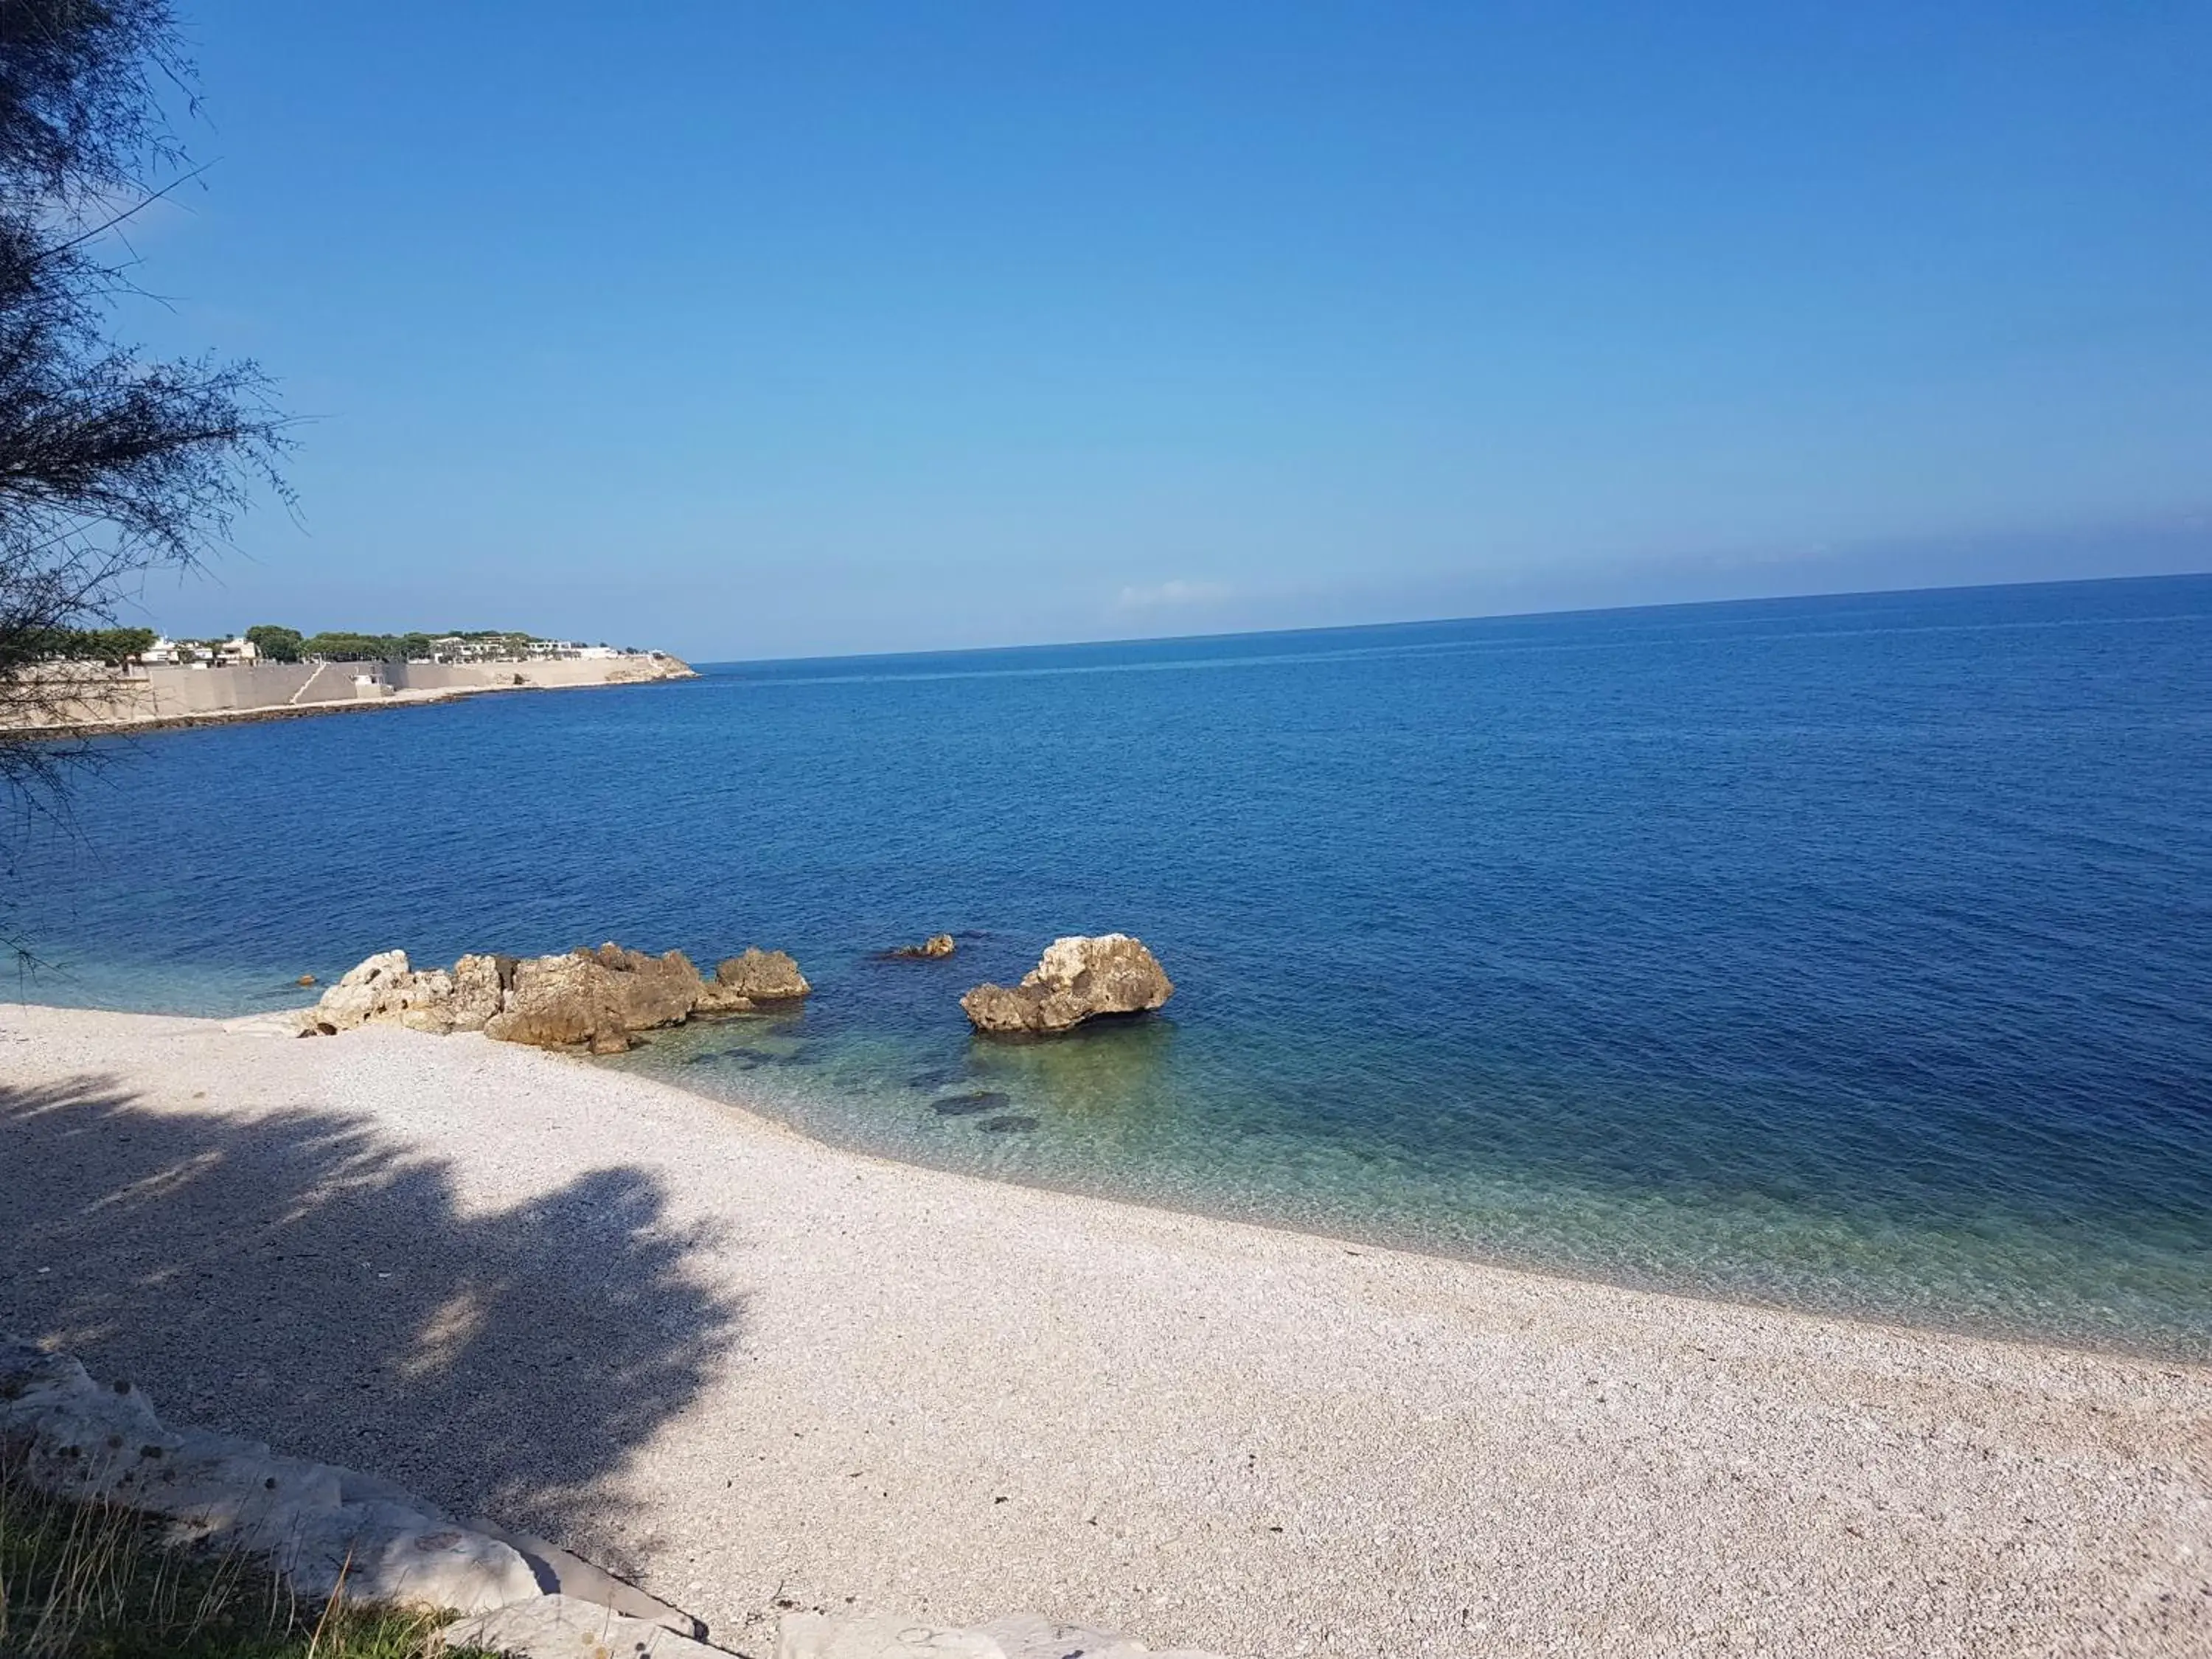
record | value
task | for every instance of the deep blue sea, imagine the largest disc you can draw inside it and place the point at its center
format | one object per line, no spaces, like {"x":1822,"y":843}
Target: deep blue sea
{"x":1852,"y":954}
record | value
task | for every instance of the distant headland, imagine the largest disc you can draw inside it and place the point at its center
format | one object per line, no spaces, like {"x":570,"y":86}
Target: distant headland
{"x":138,"y":679}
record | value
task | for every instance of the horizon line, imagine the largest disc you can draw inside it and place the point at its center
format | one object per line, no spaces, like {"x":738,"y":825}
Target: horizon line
{"x":1446,"y":621}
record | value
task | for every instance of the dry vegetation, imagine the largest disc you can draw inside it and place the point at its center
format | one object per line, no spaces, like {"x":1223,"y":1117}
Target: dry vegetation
{"x":93,"y":1581}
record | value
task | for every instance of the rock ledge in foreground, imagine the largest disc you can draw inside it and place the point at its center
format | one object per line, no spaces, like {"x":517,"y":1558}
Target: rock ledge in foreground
{"x":323,"y":1530}
{"x":1076,"y":979}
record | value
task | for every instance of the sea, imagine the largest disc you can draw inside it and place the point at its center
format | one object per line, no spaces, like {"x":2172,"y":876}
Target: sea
{"x":1848,"y":954}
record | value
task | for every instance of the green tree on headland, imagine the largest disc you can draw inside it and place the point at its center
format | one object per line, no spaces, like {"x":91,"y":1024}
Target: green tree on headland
{"x":113,"y":646}
{"x":276,"y":644}
{"x":342,"y":646}
{"x":117,"y":645}
{"x":111,"y":463}
{"x":351,"y":647}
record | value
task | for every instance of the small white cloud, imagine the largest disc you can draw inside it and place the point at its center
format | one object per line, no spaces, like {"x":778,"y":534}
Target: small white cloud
{"x":1171,"y":595}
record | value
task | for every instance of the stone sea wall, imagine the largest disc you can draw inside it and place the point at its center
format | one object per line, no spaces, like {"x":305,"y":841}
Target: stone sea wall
{"x":154,"y":695}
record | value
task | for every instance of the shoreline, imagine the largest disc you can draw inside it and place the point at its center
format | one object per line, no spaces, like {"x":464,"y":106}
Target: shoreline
{"x":757,"y":1117}
{"x":755,"y":1114}
{"x":89,"y":729}
{"x":1958,"y":1328}
{"x":402,"y":697}
{"x":941,"y":1394}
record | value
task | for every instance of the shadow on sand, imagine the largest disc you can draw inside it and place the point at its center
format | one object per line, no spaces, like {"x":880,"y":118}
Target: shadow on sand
{"x":301,"y":1279}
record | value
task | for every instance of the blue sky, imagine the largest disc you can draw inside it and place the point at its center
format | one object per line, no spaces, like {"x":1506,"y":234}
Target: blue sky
{"x":752,"y":330}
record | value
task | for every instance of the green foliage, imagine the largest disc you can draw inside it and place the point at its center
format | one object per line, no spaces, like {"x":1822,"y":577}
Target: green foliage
{"x":275,"y":643}
{"x":111,"y":463}
{"x":90,"y":1581}
{"x":117,"y":644}
{"x":112,"y":646}
{"x":350,"y":647}
{"x":340,"y":646}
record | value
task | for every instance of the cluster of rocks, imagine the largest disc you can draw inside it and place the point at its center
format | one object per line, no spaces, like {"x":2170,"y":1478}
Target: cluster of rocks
{"x":596,"y":999}
{"x":935,"y":948}
{"x":600,"y":999}
{"x":1076,"y":979}
{"x":326,"y":1531}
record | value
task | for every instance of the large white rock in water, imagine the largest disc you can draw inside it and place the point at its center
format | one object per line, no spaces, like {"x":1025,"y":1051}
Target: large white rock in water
{"x":760,"y":976}
{"x":1076,"y":979}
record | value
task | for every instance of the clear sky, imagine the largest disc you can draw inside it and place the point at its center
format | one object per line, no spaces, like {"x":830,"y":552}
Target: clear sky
{"x":753,"y":330}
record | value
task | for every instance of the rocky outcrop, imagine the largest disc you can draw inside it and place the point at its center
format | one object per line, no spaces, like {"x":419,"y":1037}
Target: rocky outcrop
{"x":594,"y":998}
{"x":588,"y":999}
{"x":384,"y":987}
{"x":480,"y":988}
{"x":762,"y":976}
{"x":1076,"y":979}
{"x":936,"y":947}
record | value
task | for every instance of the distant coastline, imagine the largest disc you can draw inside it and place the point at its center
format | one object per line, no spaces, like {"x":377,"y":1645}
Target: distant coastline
{"x":158,"y":697}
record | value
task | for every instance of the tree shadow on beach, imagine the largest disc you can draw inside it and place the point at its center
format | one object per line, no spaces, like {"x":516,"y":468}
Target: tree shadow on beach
{"x":301,"y":1278}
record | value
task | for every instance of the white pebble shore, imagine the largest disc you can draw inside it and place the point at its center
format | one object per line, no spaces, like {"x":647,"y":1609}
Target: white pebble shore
{"x":918,"y":1393}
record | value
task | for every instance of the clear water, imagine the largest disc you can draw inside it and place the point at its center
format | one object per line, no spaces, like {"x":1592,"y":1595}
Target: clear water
{"x":1849,"y":953}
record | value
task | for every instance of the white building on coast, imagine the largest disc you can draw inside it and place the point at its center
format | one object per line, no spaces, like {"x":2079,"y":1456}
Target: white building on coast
{"x":166,"y":653}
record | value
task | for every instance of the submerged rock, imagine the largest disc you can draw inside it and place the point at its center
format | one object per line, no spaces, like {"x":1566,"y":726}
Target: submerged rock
{"x":983,"y":1100}
{"x":1076,"y":979}
{"x":935,"y":948}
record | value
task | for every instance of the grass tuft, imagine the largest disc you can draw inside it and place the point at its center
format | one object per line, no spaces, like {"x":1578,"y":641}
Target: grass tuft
{"x":91,"y":1580}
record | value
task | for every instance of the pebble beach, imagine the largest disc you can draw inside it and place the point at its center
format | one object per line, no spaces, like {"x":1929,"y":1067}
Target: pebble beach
{"x":760,"y":1374}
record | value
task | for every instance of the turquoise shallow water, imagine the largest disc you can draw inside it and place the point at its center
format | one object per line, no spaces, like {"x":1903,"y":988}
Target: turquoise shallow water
{"x":1849,"y":953}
